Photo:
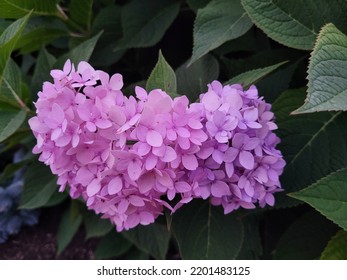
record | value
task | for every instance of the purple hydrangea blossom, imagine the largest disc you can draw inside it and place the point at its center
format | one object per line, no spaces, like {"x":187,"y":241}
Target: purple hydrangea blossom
{"x":239,"y":162}
{"x":131,"y":157}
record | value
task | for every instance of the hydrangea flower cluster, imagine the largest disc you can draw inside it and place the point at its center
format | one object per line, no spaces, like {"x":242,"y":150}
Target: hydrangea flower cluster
{"x":12,"y":219}
{"x":131,"y":157}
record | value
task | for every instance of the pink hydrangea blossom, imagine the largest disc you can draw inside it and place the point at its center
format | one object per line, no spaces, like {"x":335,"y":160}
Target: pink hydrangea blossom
{"x":129,"y":158}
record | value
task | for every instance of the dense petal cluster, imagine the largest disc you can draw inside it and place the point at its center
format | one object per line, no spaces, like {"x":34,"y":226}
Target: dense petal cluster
{"x":131,"y":157}
{"x":12,"y":219}
{"x":238,"y":164}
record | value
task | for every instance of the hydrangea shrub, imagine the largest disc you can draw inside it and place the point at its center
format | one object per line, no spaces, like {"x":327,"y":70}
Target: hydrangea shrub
{"x":236,"y":139}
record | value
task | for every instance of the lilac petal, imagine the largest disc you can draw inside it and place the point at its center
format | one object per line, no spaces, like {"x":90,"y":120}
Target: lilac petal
{"x":251,"y":144}
{"x":219,"y":118}
{"x":85,"y":156}
{"x":132,"y":221}
{"x":123,"y":206}
{"x":190,"y":162}
{"x":249,"y":190}
{"x":211,"y":101}
{"x":91,"y":126}
{"x":151,"y":162}
{"x":141,"y":93}
{"x":37,"y":126}
{"x":84,"y":176}
{"x":183,"y":187}
{"x":254,"y":125}
{"x":230,"y":154}
{"x":146,"y":218}
{"x":171,"y":135}
{"x":251,"y":115}
{"x":143,"y":148}
{"x":102,"y":123}
{"x":136,"y":201}
{"x":115,"y":185}
{"x":195,"y":124}
{"x":238,"y":140}
{"x":159,"y":151}
{"x":269,"y":199}
{"x":170,"y":155}
{"x":154,"y":138}
{"x":165,"y":179}
{"x":116,"y":82}
{"x":219,"y":189}
{"x":146,"y":182}
{"x":218,"y":156}
{"x":184,"y":143}
{"x":229,"y":168}
{"x":93,"y":187}
{"x":183,"y":132}
{"x":246,"y":159}
{"x":134,"y":169}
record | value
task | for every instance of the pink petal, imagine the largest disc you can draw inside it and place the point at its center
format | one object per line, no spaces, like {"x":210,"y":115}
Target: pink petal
{"x":134,"y":169}
{"x":141,"y":93}
{"x":146,"y":218}
{"x":146,"y":182}
{"x":219,"y":118}
{"x":251,"y":115}
{"x":190,"y":162}
{"x":269,"y":199}
{"x":183,"y":132}
{"x":183,"y":187}
{"x":136,"y":201}
{"x":115,"y":185}
{"x":170,"y":155}
{"x":211,"y":101}
{"x":102,"y":123}
{"x":154,"y":138}
{"x":123,"y":206}
{"x":219,"y":189}
{"x":230,"y":154}
{"x":229,"y":168}
{"x":195,"y":124}
{"x":116,"y":82}
{"x":93,"y":187}
{"x":246,"y":159}
{"x":151,"y":162}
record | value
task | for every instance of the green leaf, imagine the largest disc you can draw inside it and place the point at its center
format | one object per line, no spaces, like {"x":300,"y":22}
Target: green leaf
{"x":10,"y":88}
{"x":202,"y":231}
{"x":327,"y":73}
{"x":96,"y":226}
{"x":162,"y":77}
{"x":313,"y":145}
{"x":10,"y":121}
{"x":82,"y":52}
{"x":305,"y":238}
{"x":192,"y":80}
{"x":111,"y":246}
{"x":253,"y":76}
{"x":56,"y":198}
{"x":39,"y":186}
{"x":39,"y":32}
{"x":144,"y":22}
{"x":152,"y":239}
{"x":328,"y":196}
{"x":19,"y":8}
{"x":68,"y":227}
{"x":197,"y":4}
{"x":81,"y":12}
{"x":336,"y":248}
{"x":252,"y":248}
{"x":108,"y":20}
{"x":295,"y":23}
{"x":44,"y":64}
{"x":217,"y":23}
{"x":8,"y":40}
